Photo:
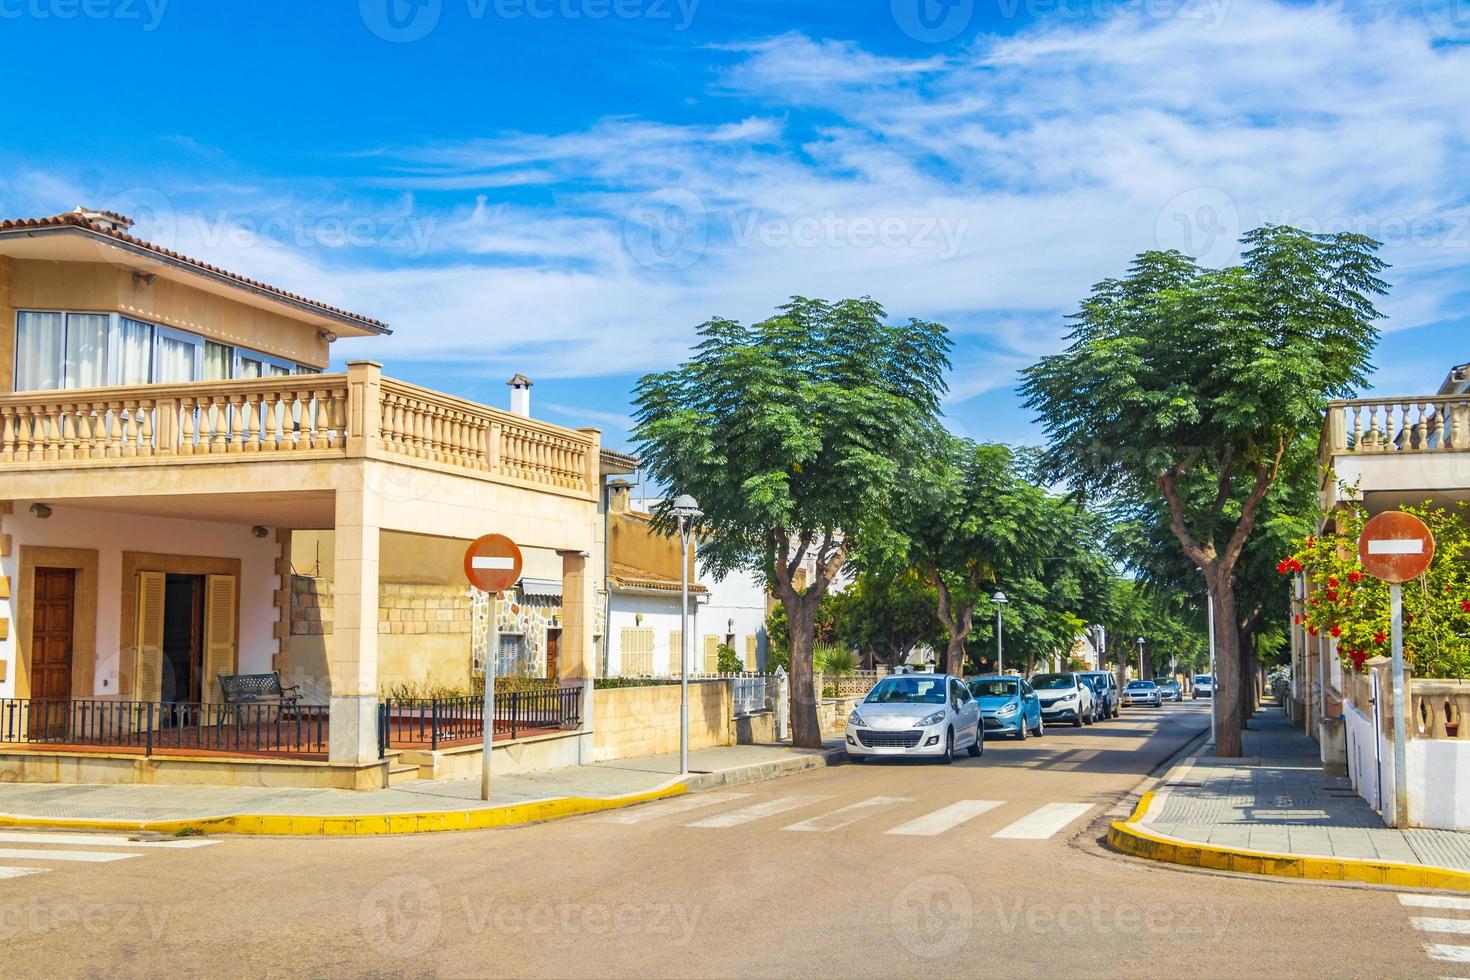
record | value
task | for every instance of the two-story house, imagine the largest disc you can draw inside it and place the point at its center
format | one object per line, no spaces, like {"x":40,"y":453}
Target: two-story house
{"x":166,"y":427}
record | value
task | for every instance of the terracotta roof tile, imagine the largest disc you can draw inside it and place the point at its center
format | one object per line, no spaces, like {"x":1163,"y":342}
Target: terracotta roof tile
{"x":76,"y":219}
{"x":631,"y":577}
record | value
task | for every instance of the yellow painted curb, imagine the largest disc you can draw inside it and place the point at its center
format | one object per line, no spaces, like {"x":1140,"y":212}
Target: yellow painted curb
{"x":381,"y":823}
{"x":1131,"y":837}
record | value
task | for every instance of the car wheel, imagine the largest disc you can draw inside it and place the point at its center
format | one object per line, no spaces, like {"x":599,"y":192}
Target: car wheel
{"x":978,"y":748}
{"x":1077,"y":721}
{"x":1195,"y":695}
{"x":1021,"y":730}
{"x":1040,"y":727}
{"x":948,"y":755}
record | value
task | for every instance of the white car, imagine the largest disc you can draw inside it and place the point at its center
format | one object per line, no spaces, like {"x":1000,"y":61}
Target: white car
{"x":1204,"y":687}
{"x":930,"y":715}
{"x":1143,"y":692}
{"x":1065,"y":697}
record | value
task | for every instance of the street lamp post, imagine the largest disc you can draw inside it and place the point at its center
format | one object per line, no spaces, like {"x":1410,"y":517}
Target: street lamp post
{"x":1140,"y":658}
{"x":1000,"y":660}
{"x":686,"y":509}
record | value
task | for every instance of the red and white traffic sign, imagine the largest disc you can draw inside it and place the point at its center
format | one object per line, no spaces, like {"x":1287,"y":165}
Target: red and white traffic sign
{"x":492,"y":563}
{"x":1396,"y":547}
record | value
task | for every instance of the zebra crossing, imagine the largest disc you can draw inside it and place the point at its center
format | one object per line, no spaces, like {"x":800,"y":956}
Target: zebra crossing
{"x":1039,"y":823}
{"x":1444,"y":918}
{"x":44,"y":851}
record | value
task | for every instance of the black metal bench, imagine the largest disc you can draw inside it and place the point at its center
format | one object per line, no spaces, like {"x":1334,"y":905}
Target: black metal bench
{"x":258,"y":689}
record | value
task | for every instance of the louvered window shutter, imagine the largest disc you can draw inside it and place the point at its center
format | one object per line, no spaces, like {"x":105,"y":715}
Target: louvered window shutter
{"x":148,"y":638}
{"x":711,"y":654}
{"x":219,"y":632}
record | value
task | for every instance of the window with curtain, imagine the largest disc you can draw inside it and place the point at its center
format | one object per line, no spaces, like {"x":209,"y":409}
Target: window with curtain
{"x":174,"y":359}
{"x":217,"y":358}
{"x":40,"y":340}
{"x":86,"y":350}
{"x":132,"y":354}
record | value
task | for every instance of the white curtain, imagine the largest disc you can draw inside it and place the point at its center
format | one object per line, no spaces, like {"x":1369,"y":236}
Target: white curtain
{"x":249,"y":368}
{"x":86,"y":350}
{"x":133,"y":353}
{"x":39,"y":343}
{"x":216,"y":361}
{"x":175,"y":360}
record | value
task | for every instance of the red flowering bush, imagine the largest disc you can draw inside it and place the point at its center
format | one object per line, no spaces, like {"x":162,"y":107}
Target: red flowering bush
{"x":1436,"y":605}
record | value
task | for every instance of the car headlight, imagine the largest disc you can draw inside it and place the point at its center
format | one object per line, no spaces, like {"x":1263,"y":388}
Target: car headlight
{"x":1009,"y":709}
{"x":856,"y":720}
{"x":1066,"y":699}
{"x":933,"y":719}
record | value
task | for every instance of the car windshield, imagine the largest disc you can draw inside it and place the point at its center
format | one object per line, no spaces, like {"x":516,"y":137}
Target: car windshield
{"x":1202,"y":678}
{"x":1140,"y":685}
{"x":908,"y":690}
{"x":1052,"y":682}
{"x":993,"y":687}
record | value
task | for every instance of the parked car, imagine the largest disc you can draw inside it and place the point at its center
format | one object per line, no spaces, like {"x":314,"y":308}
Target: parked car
{"x":1064,"y":697}
{"x":1008,"y":705}
{"x":1169,"y":690}
{"x":1105,"y":687}
{"x":1142,"y":692}
{"x":1204,"y":686}
{"x":931,"y":715}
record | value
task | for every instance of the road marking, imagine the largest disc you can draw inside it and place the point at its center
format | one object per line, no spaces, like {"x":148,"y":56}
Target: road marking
{"x":1433,"y":901}
{"x":1449,"y":954}
{"x":758,"y":811}
{"x":651,"y":811}
{"x":97,"y":840}
{"x":21,"y":872}
{"x":946,"y":818}
{"x":1044,"y":822}
{"x":94,"y":857}
{"x":850,"y":814}
{"x":1424,"y":923}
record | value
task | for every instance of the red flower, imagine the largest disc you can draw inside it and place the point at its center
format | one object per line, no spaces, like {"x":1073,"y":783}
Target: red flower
{"x":1332,"y":581}
{"x":1281,"y":567}
{"x":1315,"y":602}
{"x":1332,"y":595}
{"x":1357,"y":657}
{"x":1296,"y":566}
{"x":1312,"y":630}
{"x":1298,"y":619}
{"x":1355,"y":577}
{"x":1336,"y":631}
{"x":1311,"y":542}
{"x":1380,"y":638}
{"x":1465,"y":606}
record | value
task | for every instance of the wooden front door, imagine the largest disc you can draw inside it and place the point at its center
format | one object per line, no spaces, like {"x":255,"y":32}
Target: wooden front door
{"x":553,"y":653}
{"x":51,"y":641}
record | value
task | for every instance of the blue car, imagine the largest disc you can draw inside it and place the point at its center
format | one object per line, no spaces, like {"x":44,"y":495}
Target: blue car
{"x":1008,"y":706}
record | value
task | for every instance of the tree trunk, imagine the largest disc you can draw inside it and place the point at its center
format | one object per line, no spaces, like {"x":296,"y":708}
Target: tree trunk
{"x":959,"y":620}
{"x":1227,"y":687}
{"x":801,"y":613}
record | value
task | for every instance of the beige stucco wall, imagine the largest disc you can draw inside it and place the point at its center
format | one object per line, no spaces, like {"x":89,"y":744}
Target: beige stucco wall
{"x":101,"y":287}
{"x":635,"y":543}
{"x":634,"y":721}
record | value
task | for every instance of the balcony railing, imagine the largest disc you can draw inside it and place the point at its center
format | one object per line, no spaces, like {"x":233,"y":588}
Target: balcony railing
{"x":1366,"y":426}
{"x":435,"y":723}
{"x":152,"y":728}
{"x":359,"y":413}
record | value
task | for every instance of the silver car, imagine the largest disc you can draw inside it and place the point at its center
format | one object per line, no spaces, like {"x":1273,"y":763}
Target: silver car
{"x":929,"y":715}
{"x":1142,"y":692}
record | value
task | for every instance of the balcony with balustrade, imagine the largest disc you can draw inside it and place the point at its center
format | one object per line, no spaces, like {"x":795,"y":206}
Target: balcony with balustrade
{"x":1398,"y":450}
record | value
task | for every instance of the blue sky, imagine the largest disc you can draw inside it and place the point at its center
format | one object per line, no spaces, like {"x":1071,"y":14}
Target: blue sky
{"x":566,"y":188}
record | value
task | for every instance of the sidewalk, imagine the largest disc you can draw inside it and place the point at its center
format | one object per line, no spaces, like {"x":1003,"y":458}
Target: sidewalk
{"x":1276,"y":812}
{"x":416,"y":807}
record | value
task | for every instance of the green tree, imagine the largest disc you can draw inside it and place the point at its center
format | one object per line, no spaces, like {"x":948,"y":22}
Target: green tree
{"x":1181,"y":380}
{"x":886,"y":612}
{"x":797,"y":435}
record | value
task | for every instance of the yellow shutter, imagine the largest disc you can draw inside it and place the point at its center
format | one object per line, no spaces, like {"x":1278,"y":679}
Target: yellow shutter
{"x":676,"y":653}
{"x":148,"y":638}
{"x":219,"y":633}
{"x":635,"y":652}
{"x":750,"y":652}
{"x":711,"y":654}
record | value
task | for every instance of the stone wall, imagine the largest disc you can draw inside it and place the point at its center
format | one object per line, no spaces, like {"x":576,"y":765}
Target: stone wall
{"x":632,"y":721}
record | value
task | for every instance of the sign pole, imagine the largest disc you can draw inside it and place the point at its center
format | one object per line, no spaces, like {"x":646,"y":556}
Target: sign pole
{"x":1400,"y":725}
{"x":492,"y":656}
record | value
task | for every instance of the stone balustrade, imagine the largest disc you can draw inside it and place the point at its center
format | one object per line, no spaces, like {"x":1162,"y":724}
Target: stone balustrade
{"x":1438,"y":708}
{"x":1440,"y":423}
{"x":353,"y":414}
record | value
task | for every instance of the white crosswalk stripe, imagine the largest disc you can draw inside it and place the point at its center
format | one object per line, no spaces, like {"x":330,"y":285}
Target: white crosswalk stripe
{"x":681,"y":804}
{"x":99,"y":840}
{"x":1448,"y":954}
{"x":847,"y":815}
{"x":1459,"y":927}
{"x":1433,"y":901}
{"x":946,"y":818}
{"x":90,"y":857}
{"x":758,"y":811}
{"x":1043,"y":823}
{"x":21,"y":872}
{"x":62,"y":849}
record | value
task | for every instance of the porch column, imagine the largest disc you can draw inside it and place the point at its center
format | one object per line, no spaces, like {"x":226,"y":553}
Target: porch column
{"x":354,"y":653}
{"x":577,"y":656}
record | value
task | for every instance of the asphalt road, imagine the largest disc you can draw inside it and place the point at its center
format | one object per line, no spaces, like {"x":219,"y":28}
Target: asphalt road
{"x":987,"y":867}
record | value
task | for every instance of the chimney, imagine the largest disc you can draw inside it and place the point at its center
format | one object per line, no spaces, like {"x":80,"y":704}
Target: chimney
{"x":520,"y":396}
{"x":619,"y":496}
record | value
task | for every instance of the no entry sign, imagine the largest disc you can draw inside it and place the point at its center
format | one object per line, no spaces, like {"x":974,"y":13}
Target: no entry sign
{"x":492,"y":563}
{"x":1396,"y":547}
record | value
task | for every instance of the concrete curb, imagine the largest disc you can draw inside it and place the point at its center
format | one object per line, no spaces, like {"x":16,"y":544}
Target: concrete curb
{"x":535,"y":811}
{"x":1132,"y":836}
